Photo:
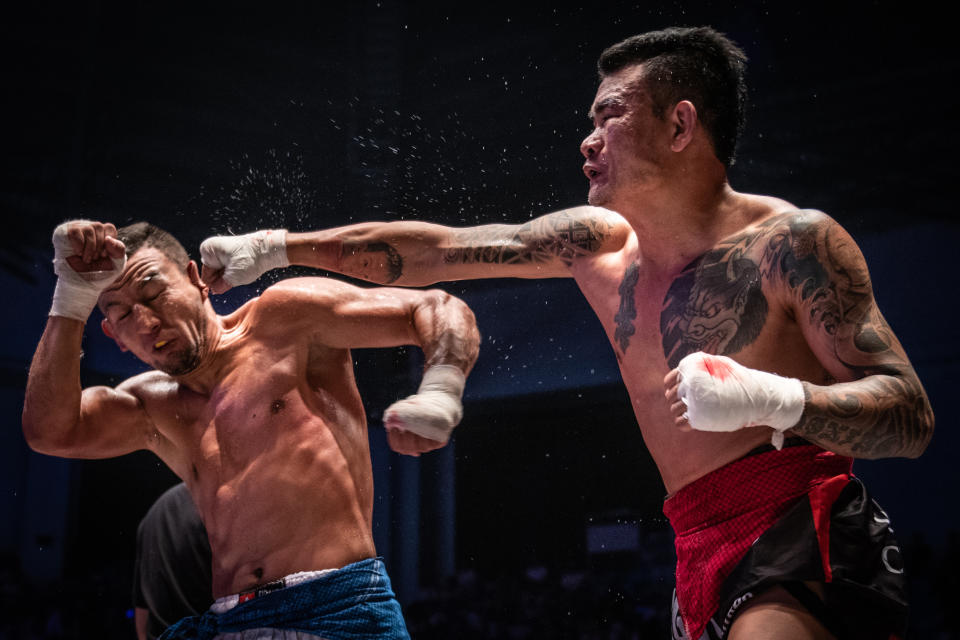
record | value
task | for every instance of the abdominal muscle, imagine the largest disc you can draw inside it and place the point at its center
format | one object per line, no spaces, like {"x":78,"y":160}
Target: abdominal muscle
{"x":683,"y":456}
{"x":280,"y":496}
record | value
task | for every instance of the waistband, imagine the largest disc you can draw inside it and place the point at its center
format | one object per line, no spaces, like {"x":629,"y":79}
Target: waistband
{"x":224,"y":604}
{"x":750,"y":482}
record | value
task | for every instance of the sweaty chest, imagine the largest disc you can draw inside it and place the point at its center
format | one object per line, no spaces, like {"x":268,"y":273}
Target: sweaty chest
{"x":715,"y":304}
{"x":250,"y":409}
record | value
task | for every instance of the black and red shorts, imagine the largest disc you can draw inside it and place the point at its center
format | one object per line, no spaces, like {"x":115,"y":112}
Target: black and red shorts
{"x":833,"y":534}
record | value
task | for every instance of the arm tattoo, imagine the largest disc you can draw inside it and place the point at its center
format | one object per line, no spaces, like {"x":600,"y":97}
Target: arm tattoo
{"x":879,"y":416}
{"x":885,"y":412}
{"x":391,"y":259}
{"x":564,"y":236}
{"x":378,"y":262}
{"x":716,"y":304}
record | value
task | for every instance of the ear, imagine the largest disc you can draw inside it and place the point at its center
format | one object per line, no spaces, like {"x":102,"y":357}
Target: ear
{"x":684,"y":121}
{"x":108,"y":331}
{"x":194,"y":274}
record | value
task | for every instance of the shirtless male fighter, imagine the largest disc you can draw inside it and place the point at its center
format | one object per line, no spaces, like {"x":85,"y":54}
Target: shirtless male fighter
{"x":688,"y":267}
{"x":257,"y":411}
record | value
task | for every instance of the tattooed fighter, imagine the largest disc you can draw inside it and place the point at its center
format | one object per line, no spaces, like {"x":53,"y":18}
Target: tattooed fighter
{"x":257,"y":412}
{"x":755,"y":319}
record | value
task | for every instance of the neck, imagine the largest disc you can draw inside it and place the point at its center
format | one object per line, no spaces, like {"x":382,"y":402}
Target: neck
{"x":678,"y":222}
{"x":213,"y":358}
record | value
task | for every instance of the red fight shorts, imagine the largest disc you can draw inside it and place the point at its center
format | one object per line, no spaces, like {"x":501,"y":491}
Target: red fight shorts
{"x":718,"y":517}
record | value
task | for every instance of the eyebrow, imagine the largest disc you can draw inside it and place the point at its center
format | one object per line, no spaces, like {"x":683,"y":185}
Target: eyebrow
{"x":606,"y":103}
{"x":147,"y":277}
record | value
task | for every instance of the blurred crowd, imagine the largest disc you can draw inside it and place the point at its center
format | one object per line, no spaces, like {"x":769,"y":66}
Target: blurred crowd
{"x":613,"y":598}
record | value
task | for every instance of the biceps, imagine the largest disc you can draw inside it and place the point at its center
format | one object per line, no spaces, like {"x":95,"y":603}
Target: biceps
{"x":390,"y":317}
{"x":825,"y":278}
{"x":841,"y":320}
{"x":112,"y":423}
{"x":852,"y":345}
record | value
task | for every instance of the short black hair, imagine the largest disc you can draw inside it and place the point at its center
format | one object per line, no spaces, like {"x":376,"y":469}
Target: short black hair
{"x":143,"y":234}
{"x":697,"y":64}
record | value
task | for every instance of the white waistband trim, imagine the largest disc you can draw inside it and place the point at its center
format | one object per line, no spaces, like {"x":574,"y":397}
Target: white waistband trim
{"x":224,"y":604}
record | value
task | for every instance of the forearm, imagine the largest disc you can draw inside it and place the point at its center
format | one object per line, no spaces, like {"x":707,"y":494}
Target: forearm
{"x":400,"y":253}
{"x":878,"y":416}
{"x":51,"y":407}
{"x":447,"y":331}
{"x":444,"y":327}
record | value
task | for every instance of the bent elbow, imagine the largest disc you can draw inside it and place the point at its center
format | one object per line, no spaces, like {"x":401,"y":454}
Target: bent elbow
{"x":32,"y":431}
{"x":35,"y":437}
{"x":924,"y":434}
{"x":461,"y":325}
{"x":42,"y":437}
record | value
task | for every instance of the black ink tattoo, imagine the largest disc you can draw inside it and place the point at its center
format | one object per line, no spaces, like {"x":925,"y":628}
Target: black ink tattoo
{"x":886,"y":411}
{"x":392,"y":258}
{"x":715,"y":305}
{"x":881,"y":416}
{"x":881,"y":409}
{"x":563,"y":235}
{"x":627,"y":312}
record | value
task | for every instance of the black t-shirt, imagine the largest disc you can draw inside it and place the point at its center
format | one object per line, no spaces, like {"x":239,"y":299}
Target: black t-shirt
{"x":172,"y":574}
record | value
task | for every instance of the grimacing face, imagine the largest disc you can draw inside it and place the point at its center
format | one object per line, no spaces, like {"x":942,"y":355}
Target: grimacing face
{"x":156,"y":311}
{"x":624,"y":150}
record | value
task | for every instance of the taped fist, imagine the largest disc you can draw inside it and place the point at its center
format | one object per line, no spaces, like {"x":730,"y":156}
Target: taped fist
{"x":424,"y":421}
{"x":715,"y":393}
{"x":229,"y":261}
{"x":87,"y":258}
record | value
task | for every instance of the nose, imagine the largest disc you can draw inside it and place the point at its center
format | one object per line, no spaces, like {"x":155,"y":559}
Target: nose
{"x":145,"y":320}
{"x":591,"y":145}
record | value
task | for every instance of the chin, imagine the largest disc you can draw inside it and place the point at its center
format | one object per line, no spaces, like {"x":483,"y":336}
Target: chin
{"x":181,"y":362}
{"x":597,"y":198}
{"x":600,"y":195}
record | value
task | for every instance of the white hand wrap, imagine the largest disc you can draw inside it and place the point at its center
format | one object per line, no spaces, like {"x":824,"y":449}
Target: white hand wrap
{"x":245,"y":258}
{"x":723,"y":395}
{"x":435,"y":409}
{"x":76,"y":293}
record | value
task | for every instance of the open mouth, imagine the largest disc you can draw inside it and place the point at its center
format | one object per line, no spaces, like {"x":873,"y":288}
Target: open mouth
{"x":160,"y":344}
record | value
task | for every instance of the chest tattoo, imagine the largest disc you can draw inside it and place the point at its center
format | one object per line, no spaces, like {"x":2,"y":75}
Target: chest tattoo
{"x":627,"y":312}
{"x":716,"y":304}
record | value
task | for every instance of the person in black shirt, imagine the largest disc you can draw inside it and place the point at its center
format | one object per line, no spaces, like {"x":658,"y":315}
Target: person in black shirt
{"x":172,"y":576}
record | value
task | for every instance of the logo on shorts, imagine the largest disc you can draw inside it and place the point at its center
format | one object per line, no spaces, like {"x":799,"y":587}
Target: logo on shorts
{"x":733,"y":609}
{"x":892,"y":559}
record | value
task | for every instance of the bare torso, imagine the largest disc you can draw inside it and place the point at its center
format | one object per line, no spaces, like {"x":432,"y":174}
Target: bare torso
{"x":275,"y":455}
{"x":728,"y":301}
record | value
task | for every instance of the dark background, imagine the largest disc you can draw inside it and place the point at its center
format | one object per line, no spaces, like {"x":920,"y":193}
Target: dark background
{"x":226,"y":117}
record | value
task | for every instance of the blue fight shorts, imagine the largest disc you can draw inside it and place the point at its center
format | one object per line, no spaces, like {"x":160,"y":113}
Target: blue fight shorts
{"x":352,"y":603}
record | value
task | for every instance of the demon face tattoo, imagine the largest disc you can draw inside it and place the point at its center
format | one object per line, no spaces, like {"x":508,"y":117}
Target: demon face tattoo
{"x":715,"y":305}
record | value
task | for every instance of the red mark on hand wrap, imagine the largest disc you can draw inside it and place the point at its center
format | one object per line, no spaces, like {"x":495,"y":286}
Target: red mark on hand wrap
{"x":717,"y":368}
